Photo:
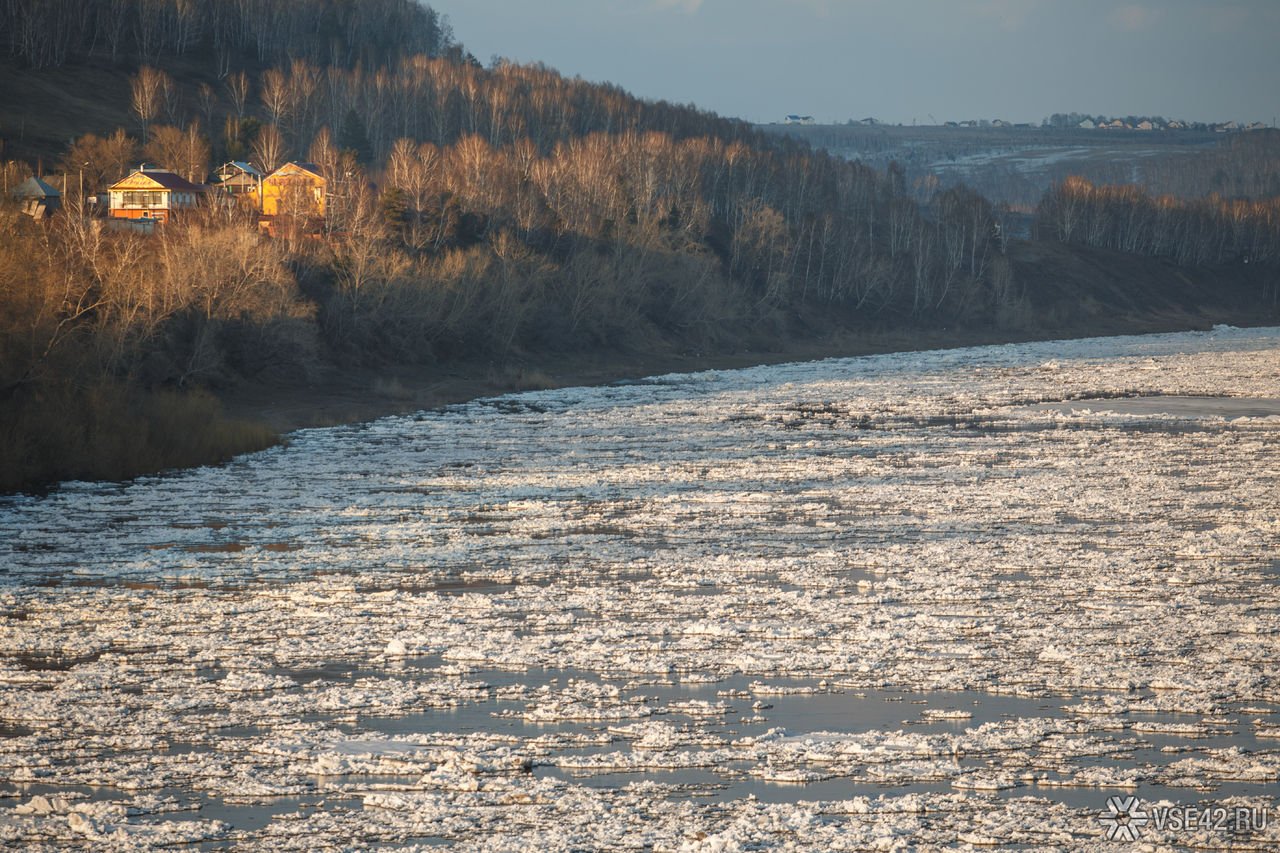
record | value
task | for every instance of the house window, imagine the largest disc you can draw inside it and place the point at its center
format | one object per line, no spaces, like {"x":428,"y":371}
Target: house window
{"x":143,"y":199}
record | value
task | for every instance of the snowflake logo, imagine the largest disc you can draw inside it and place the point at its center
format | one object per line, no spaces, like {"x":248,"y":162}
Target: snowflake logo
{"x":1123,"y":819}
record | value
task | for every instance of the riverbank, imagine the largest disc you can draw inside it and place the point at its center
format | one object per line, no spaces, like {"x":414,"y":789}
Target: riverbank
{"x":1065,"y":292}
{"x":106,"y":429}
{"x":111,"y":433}
{"x":352,"y":396}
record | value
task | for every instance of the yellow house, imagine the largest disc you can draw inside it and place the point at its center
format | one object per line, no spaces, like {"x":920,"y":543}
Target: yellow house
{"x":295,"y":189}
{"x":152,"y":194}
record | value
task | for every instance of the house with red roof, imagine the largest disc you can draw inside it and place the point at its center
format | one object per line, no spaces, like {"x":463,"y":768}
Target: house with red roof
{"x":152,"y":194}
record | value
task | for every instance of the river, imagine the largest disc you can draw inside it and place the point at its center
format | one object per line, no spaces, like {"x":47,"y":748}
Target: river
{"x":961,"y":596}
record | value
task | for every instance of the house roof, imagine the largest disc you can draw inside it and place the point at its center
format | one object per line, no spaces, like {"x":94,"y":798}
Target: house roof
{"x":33,"y":187}
{"x":239,"y":166}
{"x":148,"y":178}
{"x":294,"y":166}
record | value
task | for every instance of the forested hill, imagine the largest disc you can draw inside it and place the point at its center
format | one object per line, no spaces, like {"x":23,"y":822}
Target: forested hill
{"x":226,"y":33}
{"x":298,"y":64}
{"x":68,"y":62}
{"x":480,"y":215}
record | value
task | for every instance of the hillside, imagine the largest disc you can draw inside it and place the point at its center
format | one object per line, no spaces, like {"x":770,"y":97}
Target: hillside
{"x":1073,"y":292}
{"x":68,"y":64}
{"x":41,"y":111}
{"x":488,"y":228}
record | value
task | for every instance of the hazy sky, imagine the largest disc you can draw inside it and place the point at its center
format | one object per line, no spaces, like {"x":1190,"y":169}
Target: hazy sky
{"x":899,"y":60}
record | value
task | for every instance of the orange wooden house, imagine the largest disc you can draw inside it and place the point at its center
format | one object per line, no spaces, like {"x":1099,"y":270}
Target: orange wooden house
{"x":292,"y":199}
{"x":295,"y":189}
{"x":154,"y":194}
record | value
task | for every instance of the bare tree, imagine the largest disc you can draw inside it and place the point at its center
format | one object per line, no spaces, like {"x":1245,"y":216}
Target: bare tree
{"x":148,"y":35}
{"x":208,"y":102}
{"x":166,"y":147}
{"x":122,"y":150}
{"x":325,"y":155}
{"x":195,"y":154}
{"x":303,"y":83}
{"x":238,"y":89}
{"x":114,"y":18}
{"x":146,"y":87}
{"x":185,"y":152}
{"x":98,"y":161}
{"x":171,"y":97}
{"x":275,"y":94}
{"x":187,"y":19}
{"x":269,"y":149}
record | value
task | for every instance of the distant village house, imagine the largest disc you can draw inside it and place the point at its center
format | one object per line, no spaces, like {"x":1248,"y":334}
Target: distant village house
{"x":238,"y":179}
{"x":39,"y":199}
{"x":294,"y":189}
{"x":152,"y":194}
{"x":295,"y":192}
{"x":291,"y":199}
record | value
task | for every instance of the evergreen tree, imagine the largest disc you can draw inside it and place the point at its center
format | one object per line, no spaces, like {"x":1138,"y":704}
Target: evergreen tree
{"x":354,"y":138}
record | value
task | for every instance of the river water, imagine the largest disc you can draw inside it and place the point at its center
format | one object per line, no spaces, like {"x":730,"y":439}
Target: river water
{"x":955,"y":597}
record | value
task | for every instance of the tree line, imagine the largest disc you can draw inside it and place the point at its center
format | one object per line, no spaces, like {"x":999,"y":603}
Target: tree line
{"x":460,"y":154}
{"x":441,"y":100}
{"x":1240,"y":166}
{"x":49,"y":33}
{"x":485,"y":212}
{"x":107,"y":340}
{"x":1210,"y":230}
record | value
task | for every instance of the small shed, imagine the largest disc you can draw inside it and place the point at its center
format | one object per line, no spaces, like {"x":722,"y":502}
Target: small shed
{"x":39,"y":199}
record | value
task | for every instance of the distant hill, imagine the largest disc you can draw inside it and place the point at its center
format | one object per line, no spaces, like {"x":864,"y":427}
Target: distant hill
{"x":1017,"y":165}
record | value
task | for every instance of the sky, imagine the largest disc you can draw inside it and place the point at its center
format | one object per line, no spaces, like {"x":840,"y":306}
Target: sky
{"x":903,"y":61}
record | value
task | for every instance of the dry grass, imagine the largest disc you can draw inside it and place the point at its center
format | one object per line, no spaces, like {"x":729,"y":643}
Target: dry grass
{"x":393,"y":389}
{"x":110,"y":432}
{"x":516,"y":377}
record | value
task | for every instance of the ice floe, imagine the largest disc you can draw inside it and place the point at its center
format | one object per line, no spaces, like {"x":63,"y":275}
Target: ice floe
{"x":922,"y":599}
